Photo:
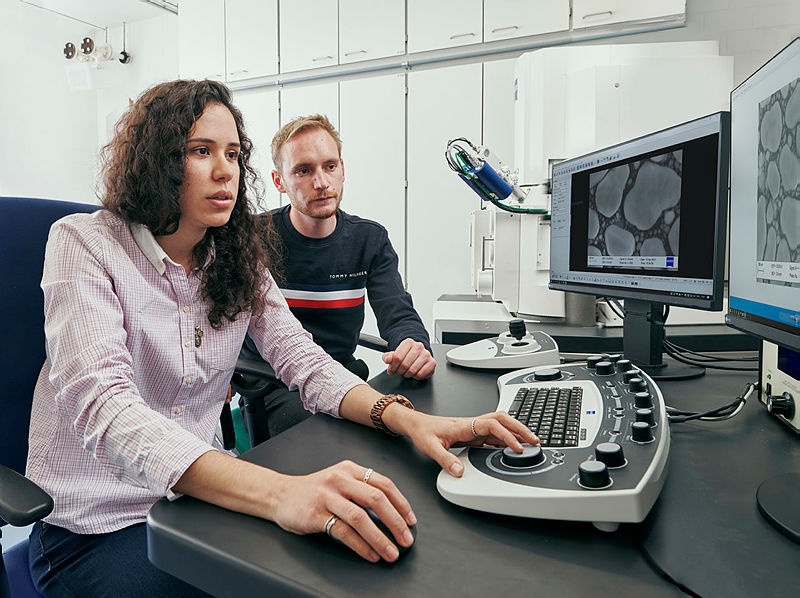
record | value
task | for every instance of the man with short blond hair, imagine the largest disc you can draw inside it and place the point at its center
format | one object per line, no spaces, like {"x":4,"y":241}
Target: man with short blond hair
{"x":332,"y":262}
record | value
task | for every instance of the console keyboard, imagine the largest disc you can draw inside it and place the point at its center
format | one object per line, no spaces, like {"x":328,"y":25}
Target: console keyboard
{"x":553,"y":414}
{"x":604,"y":445}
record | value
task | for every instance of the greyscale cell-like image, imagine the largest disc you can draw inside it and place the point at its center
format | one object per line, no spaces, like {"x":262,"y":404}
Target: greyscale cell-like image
{"x":649,"y":195}
{"x":778,"y":236}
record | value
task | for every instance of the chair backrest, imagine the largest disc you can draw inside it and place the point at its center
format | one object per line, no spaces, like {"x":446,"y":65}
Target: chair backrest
{"x":24,"y":226}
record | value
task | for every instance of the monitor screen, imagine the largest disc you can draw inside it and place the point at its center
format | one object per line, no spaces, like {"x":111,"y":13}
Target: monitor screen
{"x":764,"y":265}
{"x":645,"y":219}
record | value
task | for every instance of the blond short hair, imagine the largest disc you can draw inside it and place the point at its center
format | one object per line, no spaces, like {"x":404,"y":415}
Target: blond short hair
{"x":297,"y":125}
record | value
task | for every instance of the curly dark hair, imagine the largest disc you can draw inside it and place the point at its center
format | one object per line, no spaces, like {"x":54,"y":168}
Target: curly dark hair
{"x":143,"y":173}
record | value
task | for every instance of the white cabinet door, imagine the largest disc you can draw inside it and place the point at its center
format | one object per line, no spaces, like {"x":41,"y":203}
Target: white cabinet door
{"x":251,"y":33}
{"x":443,"y":104}
{"x":373,"y":125}
{"x":201,"y":40}
{"x":309,"y":34}
{"x":371,"y":29}
{"x":444,"y":24}
{"x":503,"y":19}
{"x":260,"y":112}
{"x":319,"y":98}
{"x":596,"y":13}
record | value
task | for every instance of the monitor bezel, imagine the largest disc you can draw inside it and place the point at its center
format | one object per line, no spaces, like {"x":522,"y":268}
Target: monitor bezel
{"x":715,"y":303}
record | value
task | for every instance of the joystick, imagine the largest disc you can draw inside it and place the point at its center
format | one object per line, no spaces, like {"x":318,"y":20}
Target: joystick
{"x":517,"y":348}
{"x":517,"y":329}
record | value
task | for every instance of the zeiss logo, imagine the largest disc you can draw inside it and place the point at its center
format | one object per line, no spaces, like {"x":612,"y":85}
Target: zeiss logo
{"x":591,"y":412}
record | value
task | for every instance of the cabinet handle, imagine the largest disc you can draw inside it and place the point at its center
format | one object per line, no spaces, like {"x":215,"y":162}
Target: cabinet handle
{"x":509,"y":28}
{"x":234,"y":73}
{"x":329,"y":57}
{"x":462,"y":35}
{"x":603,"y":15}
{"x":354,"y":52}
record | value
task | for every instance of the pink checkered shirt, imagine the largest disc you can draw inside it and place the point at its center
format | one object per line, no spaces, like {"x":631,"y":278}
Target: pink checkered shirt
{"x":125,"y":401}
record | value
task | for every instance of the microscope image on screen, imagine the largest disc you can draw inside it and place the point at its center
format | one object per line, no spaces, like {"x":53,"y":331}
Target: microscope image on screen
{"x":645,"y":232}
{"x":778,"y":233}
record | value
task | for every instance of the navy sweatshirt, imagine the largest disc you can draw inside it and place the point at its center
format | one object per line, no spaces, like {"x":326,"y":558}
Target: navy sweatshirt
{"x":326,"y":281}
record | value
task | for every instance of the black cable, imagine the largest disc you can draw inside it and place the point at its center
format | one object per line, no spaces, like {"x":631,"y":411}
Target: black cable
{"x":704,"y":364}
{"x":614,"y":306}
{"x":680,"y":349}
{"x":676,"y":416}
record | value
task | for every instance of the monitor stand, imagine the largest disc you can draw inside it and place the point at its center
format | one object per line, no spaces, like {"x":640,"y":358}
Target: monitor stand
{"x":777,"y":498}
{"x":643,"y":342}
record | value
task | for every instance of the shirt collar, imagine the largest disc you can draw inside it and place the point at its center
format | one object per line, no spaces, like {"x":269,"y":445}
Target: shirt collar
{"x":155,"y":254}
{"x":149,"y":246}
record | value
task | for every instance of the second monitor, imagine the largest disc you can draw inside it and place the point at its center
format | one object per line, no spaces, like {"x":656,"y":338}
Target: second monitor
{"x":645,"y":221}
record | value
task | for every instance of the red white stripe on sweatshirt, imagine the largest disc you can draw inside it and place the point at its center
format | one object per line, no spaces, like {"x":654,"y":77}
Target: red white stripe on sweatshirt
{"x":324,"y":299}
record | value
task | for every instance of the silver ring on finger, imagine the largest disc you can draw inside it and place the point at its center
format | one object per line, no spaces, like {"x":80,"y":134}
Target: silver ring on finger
{"x":329,"y":524}
{"x":368,"y":475}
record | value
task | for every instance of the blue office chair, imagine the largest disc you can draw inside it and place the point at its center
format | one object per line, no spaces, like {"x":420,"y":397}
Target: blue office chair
{"x":24,"y":225}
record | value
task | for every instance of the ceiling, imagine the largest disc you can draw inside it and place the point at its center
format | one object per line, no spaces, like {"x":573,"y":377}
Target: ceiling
{"x":104,"y":13}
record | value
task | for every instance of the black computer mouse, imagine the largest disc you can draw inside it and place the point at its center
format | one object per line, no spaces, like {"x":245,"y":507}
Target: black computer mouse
{"x":385,"y":531}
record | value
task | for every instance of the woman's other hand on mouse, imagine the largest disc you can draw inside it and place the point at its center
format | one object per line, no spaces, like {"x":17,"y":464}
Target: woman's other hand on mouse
{"x":308,"y":504}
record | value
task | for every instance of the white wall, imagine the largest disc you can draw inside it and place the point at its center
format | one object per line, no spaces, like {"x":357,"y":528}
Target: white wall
{"x":50,"y":135}
{"x":47,"y":133}
{"x":749,"y":30}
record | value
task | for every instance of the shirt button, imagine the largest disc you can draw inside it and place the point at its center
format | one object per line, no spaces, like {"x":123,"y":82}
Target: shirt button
{"x":187,"y":344}
{"x":189,"y":379}
{"x":177,"y":410}
{"x":186,"y":308}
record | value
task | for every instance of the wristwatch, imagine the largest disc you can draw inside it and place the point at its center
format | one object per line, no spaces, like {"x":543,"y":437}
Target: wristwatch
{"x":376,"y":413}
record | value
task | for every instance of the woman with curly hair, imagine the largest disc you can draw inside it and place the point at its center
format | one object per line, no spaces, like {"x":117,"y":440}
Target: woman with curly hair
{"x":147,"y":303}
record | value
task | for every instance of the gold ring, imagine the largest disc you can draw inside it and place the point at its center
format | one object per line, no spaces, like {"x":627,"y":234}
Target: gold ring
{"x":368,"y":475}
{"x":329,"y":524}
{"x":472,"y":425}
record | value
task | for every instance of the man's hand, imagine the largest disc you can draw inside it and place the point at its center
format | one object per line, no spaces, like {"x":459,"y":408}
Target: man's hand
{"x":410,"y":359}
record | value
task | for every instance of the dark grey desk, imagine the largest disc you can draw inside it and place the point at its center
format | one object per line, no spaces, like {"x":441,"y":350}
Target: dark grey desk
{"x":476,"y":554}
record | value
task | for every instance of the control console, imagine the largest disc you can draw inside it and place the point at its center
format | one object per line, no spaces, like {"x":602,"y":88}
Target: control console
{"x":604,"y":444}
{"x":515,"y":349}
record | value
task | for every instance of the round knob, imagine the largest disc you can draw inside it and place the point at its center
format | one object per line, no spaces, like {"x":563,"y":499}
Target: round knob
{"x":610,"y":453}
{"x":643,"y":400}
{"x":646,"y":415}
{"x":623,"y":365}
{"x":529,"y":457}
{"x":637,"y":384}
{"x":593,"y":360}
{"x":593,"y":474}
{"x":632,"y":373}
{"x":782,"y":405}
{"x":604,"y":368}
{"x":613,"y":357}
{"x":516,"y":328}
{"x":641,"y":432}
{"x":547,"y":374}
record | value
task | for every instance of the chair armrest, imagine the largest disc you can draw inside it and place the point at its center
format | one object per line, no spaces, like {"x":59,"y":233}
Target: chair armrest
{"x":255,"y":368}
{"x":22,"y":502}
{"x":370,"y":341}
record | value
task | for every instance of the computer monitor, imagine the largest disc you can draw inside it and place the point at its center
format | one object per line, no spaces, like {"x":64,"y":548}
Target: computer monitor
{"x":645,"y":221}
{"x":765,"y":238}
{"x":765,"y":202}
